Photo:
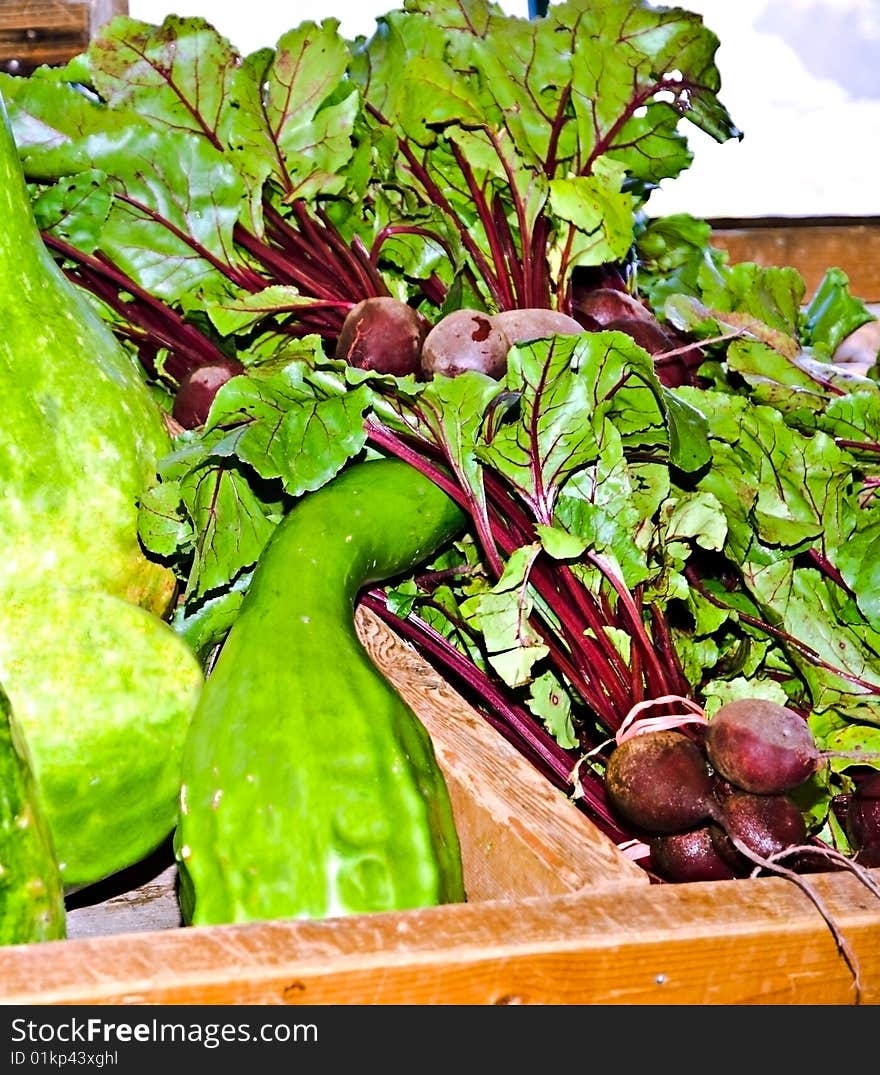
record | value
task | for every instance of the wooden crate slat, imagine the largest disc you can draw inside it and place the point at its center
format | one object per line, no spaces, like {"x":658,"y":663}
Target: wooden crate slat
{"x":524,"y":838}
{"x":37,"y":32}
{"x":811,"y":246}
{"x":45,"y":14}
{"x":758,"y":941}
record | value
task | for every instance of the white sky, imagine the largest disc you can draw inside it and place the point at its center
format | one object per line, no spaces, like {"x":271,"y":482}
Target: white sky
{"x":811,"y":143}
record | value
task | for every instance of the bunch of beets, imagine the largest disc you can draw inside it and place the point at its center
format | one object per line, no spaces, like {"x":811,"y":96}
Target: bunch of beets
{"x":715,"y":802}
{"x":390,"y":336}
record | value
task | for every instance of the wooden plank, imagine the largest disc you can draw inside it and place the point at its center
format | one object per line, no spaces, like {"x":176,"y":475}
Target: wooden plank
{"x":756,"y":941}
{"x":810,"y":245}
{"x":148,"y":907}
{"x":521,"y":837}
{"x":41,"y":32}
{"x":36,"y":32}
{"x":51,"y":14}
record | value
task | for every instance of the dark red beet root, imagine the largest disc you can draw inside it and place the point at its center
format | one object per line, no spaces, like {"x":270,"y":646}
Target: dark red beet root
{"x":383,"y":334}
{"x":676,"y":358}
{"x":761,"y":746}
{"x":765,"y":824}
{"x":863,"y":819}
{"x":519,"y":326}
{"x":197,"y":390}
{"x":660,"y":781}
{"x":869,"y":857}
{"x":465,"y":340}
{"x":605,"y":304}
{"x":689,"y":856}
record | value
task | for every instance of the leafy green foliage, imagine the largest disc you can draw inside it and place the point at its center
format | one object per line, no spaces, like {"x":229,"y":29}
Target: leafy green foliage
{"x":629,"y":541}
{"x":458,"y":151}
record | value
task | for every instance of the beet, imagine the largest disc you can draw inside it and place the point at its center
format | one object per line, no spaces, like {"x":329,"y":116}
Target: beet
{"x":610,"y":308}
{"x":689,"y":856}
{"x":862,"y":819}
{"x":869,"y":857}
{"x":704,"y":827}
{"x":383,"y":334}
{"x":519,"y":326}
{"x":660,"y":781}
{"x":766,"y":825}
{"x":196,"y":392}
{"x":465,"y":340}
{"x":675,"y":357}
{"x":604,"y":304}
{"x":761,"y":746}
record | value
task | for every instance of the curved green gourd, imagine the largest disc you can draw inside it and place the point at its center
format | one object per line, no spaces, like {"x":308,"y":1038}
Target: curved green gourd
{"x":310,"y":788}
{"x":81,"y":433}
{"x":103,"y":691}
{"x":31,"y":893}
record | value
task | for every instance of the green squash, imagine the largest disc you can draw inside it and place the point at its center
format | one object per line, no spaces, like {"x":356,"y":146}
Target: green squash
{"x":309,"y":787}
{"x":104,"y":692}
{"x":81,"y":433}
{"x":31,"y":893}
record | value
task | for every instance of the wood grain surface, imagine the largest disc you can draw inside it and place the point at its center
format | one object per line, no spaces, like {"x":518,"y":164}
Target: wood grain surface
{"x":35,"y":32}
{"x":520,"y":836}
{"x":811,"y":245}
{"x":755,"y":941}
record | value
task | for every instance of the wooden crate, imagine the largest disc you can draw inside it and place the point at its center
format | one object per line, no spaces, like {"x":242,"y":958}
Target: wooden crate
{"x":555,"y":915}
{"x":809,"y":244}
{"x":36,"y":32}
